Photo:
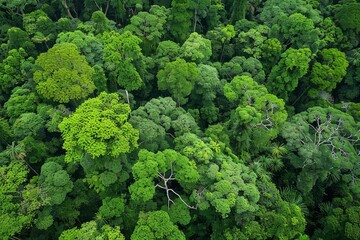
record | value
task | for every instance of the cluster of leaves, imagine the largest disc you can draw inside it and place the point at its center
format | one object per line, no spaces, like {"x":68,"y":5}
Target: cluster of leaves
{"x":179,"y":119}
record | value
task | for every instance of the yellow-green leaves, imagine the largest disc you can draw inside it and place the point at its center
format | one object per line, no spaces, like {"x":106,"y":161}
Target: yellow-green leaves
{"x":64,"y":74}
{"x":98,"y":127}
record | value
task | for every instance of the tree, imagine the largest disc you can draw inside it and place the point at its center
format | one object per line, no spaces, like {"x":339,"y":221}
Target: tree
{"x":258,"y":115}
{"x":322,"y":142}
{"x":178,"y":77}
{"x":284,"y":76}
{"x":92,"y":230}
{"x":14,"y":70}
{"x":162,"y":166}
{"x":18,"y":206}
{"x":156,"y":225}
{"x":348,"y":90}
{"x":18,"y":38}
{"x":28,"y":124}
{"x":123,"y":59}
{"x":98,"y":127}
{"x":345,"y":14}
{"x":159,"y":121}
{"x":22,"y":100}
{"x":196,"y":49}
{"x":221,"y":42}
{"x":201,"y":9}
{"x":167,"y":51}
{"x":64,"y":74}
{"x":180,"y":20}
{"x":55,"y":181}
{"x":328,"y":71}
{"x":39,"y":26}
{"x":88,"y":45}
{"x":149,"y":26}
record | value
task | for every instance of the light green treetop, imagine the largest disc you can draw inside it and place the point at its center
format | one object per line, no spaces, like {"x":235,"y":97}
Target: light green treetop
{"x":98,"y":127}
{"x":64,"y":74}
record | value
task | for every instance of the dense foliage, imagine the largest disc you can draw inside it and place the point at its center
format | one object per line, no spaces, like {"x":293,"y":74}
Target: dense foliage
{"x":180,"y":119}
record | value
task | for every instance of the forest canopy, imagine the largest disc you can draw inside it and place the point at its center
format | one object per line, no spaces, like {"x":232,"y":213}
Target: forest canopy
{"x":180,"y":119}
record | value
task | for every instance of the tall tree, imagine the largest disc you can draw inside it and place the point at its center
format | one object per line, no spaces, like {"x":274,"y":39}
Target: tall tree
{"x":64,"y":74}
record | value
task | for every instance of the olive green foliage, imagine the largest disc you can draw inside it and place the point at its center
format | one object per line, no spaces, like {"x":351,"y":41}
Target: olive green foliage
{"x":64,"y":74}
{"x":98,"y":127}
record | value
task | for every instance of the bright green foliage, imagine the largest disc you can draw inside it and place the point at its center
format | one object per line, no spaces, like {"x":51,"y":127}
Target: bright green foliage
{"x":123,"y":59}
{"x":178,"y":78}
{"x":328,"y":71}
{"x":156,"y":225}
{"x":14,"y":214}
{"x":168,"y":164}
{"x":180,"y":20}
{"x":98,"y":127}
{"x":92,"y":231}
{"x":64,"y":74}
{"x":234,"y":188}
{"x":88,"y":45}
{"x":28,"y":124}
{"x":196,"y":49}
{"x":13,"y":70}
{"x":22,"y":100}
{"x":55,"y":181}
{"x":321,"y":141}
{"x":111,"y":207}
{"x":149,"y":26}
{"x":284,"y":76}
{"x":157,"y":120}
